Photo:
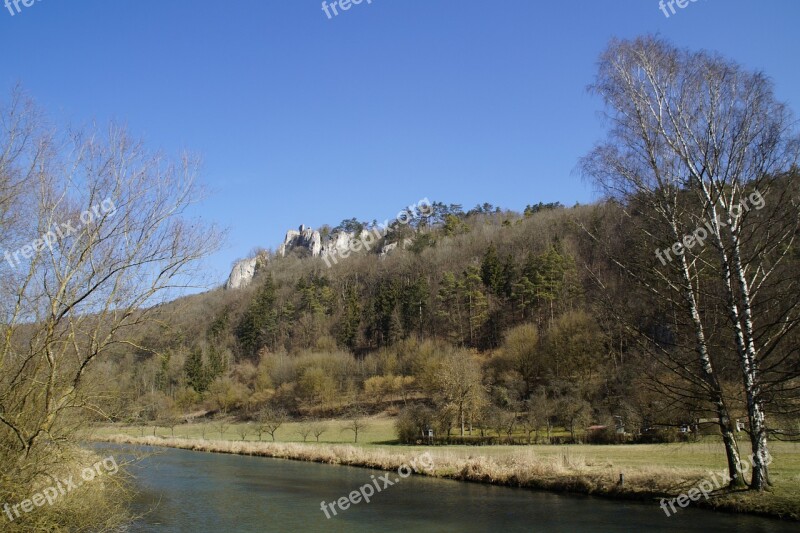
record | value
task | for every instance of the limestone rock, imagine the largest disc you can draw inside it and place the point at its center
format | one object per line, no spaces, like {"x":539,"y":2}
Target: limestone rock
{"x":244,"y":271}
{"x":305,"y":238}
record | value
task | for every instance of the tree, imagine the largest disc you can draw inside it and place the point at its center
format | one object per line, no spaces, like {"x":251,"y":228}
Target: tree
{"x":450,"y":308}
{"x":303,"y":430}
{"x":412,"y":423}
{"x":101,"y":233}
{"x":491,"y":270}
{"x":227,"y":394}
{"x":196,"y":375}
{"x":375,"y":388}
{"x":170,"y":421}
{"x":318,"y":428}
{"x":350,"y":322}
{"x":521,"y":350}
{"x":259,"y":324}
{"x":356,"y":423}
{"x":694,"y":137}
{"x":457,"y":383}
{"x":269,"y":421}
{"x":575,"y":413}
{"x":538,"y":410}
{"x":476,"y":303}
{"x":222,"y":426}
{"x":502,"y":421}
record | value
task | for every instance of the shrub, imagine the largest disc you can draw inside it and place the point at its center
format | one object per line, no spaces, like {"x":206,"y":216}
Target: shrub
{"x":411,"y":422}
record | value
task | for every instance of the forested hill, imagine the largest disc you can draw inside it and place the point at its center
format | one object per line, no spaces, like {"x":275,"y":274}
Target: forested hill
{"x":517,"y":308}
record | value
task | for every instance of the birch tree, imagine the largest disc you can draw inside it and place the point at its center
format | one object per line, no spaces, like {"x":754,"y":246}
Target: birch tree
{"x":708,"y":155}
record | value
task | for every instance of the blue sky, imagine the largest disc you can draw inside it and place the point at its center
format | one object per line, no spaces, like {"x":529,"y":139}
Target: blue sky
{"x":302,"y":119}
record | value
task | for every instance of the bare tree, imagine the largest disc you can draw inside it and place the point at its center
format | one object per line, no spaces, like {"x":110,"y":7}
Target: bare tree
{"x":222,"y":426}
{"x":318,"y":428}
{"x":95,"y":235}
{"x":270,"y":420}
{"x":170,"y":421}
{"x":458,"y":382}
{"x":303,"y":430}
{"x":698,"y":147}
{"x":356,"y":423}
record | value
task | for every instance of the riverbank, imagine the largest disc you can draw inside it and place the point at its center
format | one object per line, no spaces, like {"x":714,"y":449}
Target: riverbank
{"x":520,"y":467}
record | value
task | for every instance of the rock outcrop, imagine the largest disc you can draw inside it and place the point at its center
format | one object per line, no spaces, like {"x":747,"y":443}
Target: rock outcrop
{"x":306,"y":238}
{"x":245,"y":270}
{"x":309,"y":242}
{"x":389,"y":247}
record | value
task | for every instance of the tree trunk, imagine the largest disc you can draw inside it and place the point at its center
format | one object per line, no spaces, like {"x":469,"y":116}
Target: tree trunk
{"x":710,"y":378}
{"x":742,"y":323}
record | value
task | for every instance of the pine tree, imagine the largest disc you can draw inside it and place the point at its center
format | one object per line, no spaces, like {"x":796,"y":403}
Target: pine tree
{"x":162,"y":376}
{"x":347,"y":333}
{"x":508,"y":276}
{"x":476,"y":303}
{"x":414,"y":305}
{"x":491,"y":272}
{"x":449,"y":306}
{"x":194,"y":370}
{"x":260,"y":322}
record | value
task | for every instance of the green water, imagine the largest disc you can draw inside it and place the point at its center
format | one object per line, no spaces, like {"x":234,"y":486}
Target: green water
{"x":185,"y":491}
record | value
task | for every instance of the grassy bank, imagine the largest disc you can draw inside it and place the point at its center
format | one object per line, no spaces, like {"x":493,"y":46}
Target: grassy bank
{"x":651,"y":471}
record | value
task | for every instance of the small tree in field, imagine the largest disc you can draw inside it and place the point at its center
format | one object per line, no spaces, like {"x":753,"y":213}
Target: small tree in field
{"x":318,"y":428}
{"x":303,"y":430}
{"x":222,"y":426}
{"x":269,"y":421}
{"x":356,"y":423}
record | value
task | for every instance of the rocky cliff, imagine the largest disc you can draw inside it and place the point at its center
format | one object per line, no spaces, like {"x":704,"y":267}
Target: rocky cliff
{"x":245,"y":270}
{"x":309,"y":242}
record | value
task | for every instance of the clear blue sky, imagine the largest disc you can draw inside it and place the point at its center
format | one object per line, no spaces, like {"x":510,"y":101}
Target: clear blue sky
{"x":302,"y":119}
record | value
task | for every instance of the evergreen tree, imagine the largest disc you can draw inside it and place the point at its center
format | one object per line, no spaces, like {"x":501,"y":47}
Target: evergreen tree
{"x":491,"y":271}
{"x":414,"y":306}
{"x":194,"y":370}
{"x":162,"y":376}
{"x":347,"y":331}
{"x":476,"y":303}
{"x":508,"y":276}
{"x":449,"y":306}
{"x":260,"y":322}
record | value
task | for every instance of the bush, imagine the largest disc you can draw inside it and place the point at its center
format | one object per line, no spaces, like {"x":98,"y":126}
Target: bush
{"x":411,"y":422}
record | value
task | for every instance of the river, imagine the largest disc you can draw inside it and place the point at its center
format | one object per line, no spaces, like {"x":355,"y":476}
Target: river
{"x":185,"y":491}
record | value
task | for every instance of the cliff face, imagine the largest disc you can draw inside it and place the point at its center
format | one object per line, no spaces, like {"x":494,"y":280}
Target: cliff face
{"x":309,"y":242}
{"x":304,"y":238}
{"x":245,"y":270}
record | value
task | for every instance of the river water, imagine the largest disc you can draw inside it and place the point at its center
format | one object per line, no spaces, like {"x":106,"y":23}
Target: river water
{"x":185,"y":491}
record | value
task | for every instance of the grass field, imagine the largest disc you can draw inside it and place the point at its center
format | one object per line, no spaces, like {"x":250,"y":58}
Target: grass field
{"x":651,"y":470}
